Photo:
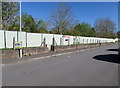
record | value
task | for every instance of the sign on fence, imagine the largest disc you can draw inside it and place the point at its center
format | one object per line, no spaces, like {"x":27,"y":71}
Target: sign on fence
{"x":18,"y":45}
{"x":66,"y":38}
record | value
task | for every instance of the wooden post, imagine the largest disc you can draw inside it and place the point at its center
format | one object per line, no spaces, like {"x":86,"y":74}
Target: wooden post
{"x":5,"y":39}
{"x":17,"y":35}
{"x":44,"y":42}
{"x":68,"y":41}
{"x":83,"y":40}
{"x":87,"y":41}
{"x":13,"y":42}
{"x":53,"y":45}
{"x":60,"y":41}
{"x":26,"y":39}
{"x":79,"y":41}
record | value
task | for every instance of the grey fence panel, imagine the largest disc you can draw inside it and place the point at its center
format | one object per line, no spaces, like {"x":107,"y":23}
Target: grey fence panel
{"x":89,"y":40}
{"x":68,"y":38}
{"x":34,"y":40}
{"x":22,"y":38}
{"x":49,"y":39}
{"x":58,"y":39}
{"x":2,"y":43}
{"x":80,"y":40}
{"x":71,"y":40}
{"x":9,"y":38}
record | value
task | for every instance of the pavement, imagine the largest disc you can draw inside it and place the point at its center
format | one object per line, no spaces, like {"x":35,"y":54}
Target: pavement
{"x":42,"y":55}
{"x":95,"y":66}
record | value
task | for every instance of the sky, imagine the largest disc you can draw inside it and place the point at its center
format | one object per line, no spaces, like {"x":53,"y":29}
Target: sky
{"x":83,"y":11}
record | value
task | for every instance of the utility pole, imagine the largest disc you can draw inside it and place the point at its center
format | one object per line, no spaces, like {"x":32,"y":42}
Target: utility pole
{"x":20,"y":31}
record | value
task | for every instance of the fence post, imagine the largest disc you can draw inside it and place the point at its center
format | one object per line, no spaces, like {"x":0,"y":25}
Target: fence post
{"x":60,"y":41}
{"x":13,"y":42}
{"x":5,"y":39}
{"x":41,"y":38}
{"x":79,"y":41}
{"x":17,"y":35}
{"x":53,"y":45}
{"x":20,"y":52}
{"x":68,"y":41}
{"x":26,"y":39}
{"x":99,"y":42}
{"x":87,"y":41}
{"x":83,"y":40}
{"x":44,"y":42}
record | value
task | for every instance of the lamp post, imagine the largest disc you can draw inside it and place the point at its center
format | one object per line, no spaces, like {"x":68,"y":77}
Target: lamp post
{"x":20,"y":31}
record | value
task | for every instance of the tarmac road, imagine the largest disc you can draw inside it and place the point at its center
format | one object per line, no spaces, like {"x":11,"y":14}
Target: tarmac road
{"x":89,"y":67}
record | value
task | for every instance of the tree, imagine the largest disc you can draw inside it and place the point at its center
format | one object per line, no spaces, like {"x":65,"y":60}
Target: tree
{"x":28,"y":23}
{"x":92,"y":32}
{"x":83,"y":29}
{"x":41,"y":26}
{"x":118,"y":34}
{"x":10,"y":11}
{"x":104,"y":27}
{"x":62,"y":19}
{"x":76,"y":31}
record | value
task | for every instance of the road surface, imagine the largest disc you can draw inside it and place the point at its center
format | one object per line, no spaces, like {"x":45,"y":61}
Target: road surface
{"x":89,"y":67}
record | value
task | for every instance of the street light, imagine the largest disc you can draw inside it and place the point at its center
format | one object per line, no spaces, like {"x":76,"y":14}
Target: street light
{"x":20,"y":30}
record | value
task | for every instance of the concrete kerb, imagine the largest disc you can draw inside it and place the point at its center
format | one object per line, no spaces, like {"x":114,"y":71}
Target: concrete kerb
{"x":54,"y":55}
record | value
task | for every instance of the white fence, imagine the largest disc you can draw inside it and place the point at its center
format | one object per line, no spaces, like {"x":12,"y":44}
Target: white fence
{"x":36,"y":39}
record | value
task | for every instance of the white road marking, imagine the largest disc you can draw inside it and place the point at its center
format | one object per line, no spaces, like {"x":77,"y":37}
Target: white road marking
{"x":42,"y":57}
{"x":63,"y":53}
{"x":47,"y":57}
{"x":68,"y":56}
{"x":88,"y":49}
{"x":58,"y":54}
{"x":53,"y":55}
{"x":82,"y":50}
{"x":3,"y":64}
{"x":69,"y":52}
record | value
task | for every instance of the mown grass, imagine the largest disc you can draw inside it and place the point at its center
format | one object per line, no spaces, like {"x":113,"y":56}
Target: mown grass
{"x":15,"y":49}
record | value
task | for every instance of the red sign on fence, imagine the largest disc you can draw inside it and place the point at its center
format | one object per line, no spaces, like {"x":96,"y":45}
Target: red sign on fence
{"x":66,"y":36}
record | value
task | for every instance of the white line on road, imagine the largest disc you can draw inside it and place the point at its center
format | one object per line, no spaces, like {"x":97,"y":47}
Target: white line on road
{"x":68,"y":56}
{"x":58,"y":54}
{"x":81,"y":50}
{"x":47,"y":56}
